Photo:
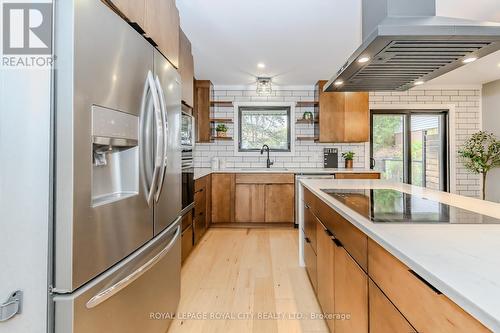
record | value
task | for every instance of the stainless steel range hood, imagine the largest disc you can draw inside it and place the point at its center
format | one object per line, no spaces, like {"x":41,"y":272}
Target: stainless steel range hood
{"x":404,"y":44}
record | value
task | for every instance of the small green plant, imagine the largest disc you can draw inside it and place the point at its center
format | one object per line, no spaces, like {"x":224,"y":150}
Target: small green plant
{"x":221,"y":128}
{"x":481,"y":153}
{"x":348,"y":155}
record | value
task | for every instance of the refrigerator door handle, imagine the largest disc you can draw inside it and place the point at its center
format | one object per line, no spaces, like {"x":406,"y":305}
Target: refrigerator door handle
{"x":163,"y":167}
{"x":122,"y":284}
{"x":150,"y":87}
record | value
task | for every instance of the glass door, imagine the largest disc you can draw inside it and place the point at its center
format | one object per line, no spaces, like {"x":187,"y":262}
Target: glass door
{"x":411,"y":147}
{"x":388,"y":146}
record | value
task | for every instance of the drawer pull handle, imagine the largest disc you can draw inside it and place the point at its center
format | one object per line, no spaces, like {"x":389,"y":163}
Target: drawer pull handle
{"x":198,"y":191}
{"x":307,"y":240}
{"x":337,"y":242}
{"x":328,"y":232}
{"x":434,"y":289}
{"x":307,"y":206}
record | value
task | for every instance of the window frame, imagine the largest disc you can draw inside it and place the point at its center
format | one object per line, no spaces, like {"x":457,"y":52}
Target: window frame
{"x":446,"y":167}
{"x":265,"y":105}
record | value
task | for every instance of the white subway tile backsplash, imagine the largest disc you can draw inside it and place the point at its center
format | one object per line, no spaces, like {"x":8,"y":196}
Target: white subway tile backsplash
{"x":310,"y":154}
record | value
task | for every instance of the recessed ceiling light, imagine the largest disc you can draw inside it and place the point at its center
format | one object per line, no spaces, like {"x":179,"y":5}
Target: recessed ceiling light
{"x":418,"y":83}
{"x":363,"y":60}
{"x":339,"y":83}
{"x":469,"y":60}
{"x":261,"y":65}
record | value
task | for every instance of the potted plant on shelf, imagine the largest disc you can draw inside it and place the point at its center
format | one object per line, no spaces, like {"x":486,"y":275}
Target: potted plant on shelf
{"x":221,"y":130}
{"x":481,"y":153}
{"x":349,"y":157}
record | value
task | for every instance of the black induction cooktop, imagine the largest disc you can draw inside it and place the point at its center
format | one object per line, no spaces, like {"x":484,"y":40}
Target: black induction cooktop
{"x":391,"y":206}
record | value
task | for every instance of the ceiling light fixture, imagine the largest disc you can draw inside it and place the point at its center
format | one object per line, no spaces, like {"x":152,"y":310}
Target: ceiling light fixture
{"x":419,"y":83}
{"x":362,"y":60}
{"x":261,"y":65}
{"x":469,"y":60}
{"x":264,"y":85}
{"x":339,"y":83}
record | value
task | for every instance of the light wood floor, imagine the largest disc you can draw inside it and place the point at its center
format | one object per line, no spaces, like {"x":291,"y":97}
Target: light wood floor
{"x":240,"y":272}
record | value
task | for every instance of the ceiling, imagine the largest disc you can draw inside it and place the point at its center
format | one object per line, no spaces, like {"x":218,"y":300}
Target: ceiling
{"x":299,"y":41}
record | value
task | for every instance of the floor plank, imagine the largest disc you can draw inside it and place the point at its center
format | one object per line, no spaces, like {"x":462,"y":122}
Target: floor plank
{"x":246,"y":280}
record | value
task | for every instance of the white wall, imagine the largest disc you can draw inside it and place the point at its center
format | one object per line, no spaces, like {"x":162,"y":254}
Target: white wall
{"x":24,"y":194}
{"x":465,"y":102}
{"x":491,"y":123}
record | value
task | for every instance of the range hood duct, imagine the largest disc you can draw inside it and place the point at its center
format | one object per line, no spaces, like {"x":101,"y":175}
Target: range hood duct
{"x":405,"y":42}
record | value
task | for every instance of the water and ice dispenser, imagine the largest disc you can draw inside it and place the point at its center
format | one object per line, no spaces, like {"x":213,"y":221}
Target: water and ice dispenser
{"x":115,"y":155}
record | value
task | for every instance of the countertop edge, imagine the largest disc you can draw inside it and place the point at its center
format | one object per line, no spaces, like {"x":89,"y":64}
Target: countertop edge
{"x":202,"y":172}
{"x":490,"y":321}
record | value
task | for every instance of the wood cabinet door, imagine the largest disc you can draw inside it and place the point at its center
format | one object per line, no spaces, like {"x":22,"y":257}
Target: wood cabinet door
{"x":310,"y":227}
{"x":202,"y":95}
{"x":223,"y":197}
{"x":384,"y":317}
{"x":249,"y":203}
{"x":325,"y":269}
{"x":208,"y":209}
{"x":358,"y":175}
{"x":357,"y":117}
{"x":351,"y":293}
{"x":331,"y":115}
{"x":280,"y":203}
{"x":162,"y":25}
{"x":311,"y":262}
{"x":186,"y":69}
{"x":133,"y":10}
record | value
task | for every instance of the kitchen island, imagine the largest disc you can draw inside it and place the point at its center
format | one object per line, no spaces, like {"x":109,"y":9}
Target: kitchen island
{"x":456,"y":266}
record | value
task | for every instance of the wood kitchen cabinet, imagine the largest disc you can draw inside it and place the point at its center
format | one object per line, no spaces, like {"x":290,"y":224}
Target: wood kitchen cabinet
{"x":265,"y":198}
{"x":325,"y":272}
{"x":200,"y":224}
{"x":223,"y":190}
{"x":343,"y":116}
{"x":132,"y":10}
{"x":384,"y":316}
{"x":250,"y":203}
{"x":187,"y":235}
{"x":421,"y":304}
{"x":158,"y":19}
{"x":203,"y":94}
{"x":280,"y":203}
{"x":358,"y":175}
{"x":351,"y":293}
{"x":186,"y":69}
{"x":162,"y":25}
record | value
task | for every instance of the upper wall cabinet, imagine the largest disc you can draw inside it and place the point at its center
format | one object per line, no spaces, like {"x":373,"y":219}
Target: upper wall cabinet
{"x":203,"y":94}
{"x":343,"y":116}
{"x":133,"y":10}
{"x":186,"y":68}
{"x":159,"y":19}
{"x":162,"y":25}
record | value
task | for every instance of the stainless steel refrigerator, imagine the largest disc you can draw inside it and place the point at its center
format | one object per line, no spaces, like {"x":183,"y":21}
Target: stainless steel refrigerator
{"x":116,"y":252}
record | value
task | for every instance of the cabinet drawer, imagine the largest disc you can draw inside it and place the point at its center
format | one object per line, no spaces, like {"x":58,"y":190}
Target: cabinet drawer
{"x":384,"y":317}
{"x":265,"y":178}
{"x":311,"y":262}
{"x":357,"y":175}
{"x":425,"y":308}
{"x":353,"y":239}
{"x":200,"y":202}
{"x":310,"y":227}
{"x":187,"y":242}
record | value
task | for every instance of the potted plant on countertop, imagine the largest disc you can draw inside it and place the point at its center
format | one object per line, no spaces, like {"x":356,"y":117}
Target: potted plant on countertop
{"x":481,"y":153}
{"x":221,"y":130}
{"x":349,"y":158}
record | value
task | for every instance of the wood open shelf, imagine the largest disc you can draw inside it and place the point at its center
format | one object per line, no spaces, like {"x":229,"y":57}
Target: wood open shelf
{"x":305,"y":104}
{"x":306,"y":121}
{"x":307,"y":138}
{"x":226,"y":138}
{"x":222,"y":103}
{"x":221,"y":120}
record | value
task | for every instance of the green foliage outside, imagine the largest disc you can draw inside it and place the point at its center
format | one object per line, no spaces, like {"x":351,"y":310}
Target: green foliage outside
{"x":260,"y":129}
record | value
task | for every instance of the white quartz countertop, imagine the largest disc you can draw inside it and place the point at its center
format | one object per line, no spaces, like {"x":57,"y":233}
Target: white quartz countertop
{"x":201,"y":172}
{"x":461,"y":260}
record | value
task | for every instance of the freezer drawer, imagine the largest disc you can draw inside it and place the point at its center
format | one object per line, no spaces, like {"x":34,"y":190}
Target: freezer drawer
{"x":140,"y":294}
